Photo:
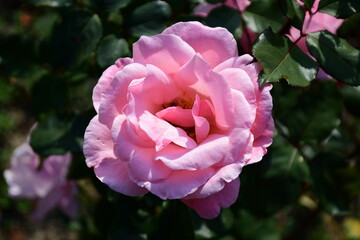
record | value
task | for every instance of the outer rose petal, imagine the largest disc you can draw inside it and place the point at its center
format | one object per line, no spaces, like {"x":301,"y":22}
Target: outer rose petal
{"x":209,"y":207}
{"x":115,"y":96}
{"x":179,"y":184}
{"x":98,"y":143}
{"x":263,"y":112}
{"x":167,"y":52}
{"x":114,"y":173}
{"x":106,"y":78}
{"x":214,"y":44}
{"x":261,"y":143}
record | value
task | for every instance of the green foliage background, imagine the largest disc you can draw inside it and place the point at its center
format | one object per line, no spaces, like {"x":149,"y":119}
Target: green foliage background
{"x":307,"y":187}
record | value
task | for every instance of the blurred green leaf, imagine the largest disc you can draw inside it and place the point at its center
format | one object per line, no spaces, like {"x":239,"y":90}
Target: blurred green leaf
{"x":49,"y":94}
{"x":57,"y":135}
{"x":325,"y":171}
{"x":256,"y":229}
{"x":215,"y":1}
{"x":352,"y":99}
{"x":339,"y":8}
{"x":149,"y":19}
{"x":282,"y":59}
{"x":52,"y":3}
{"x":111,"y":48}
{"x":335,"y":56}
{"x":286,"y":160}
{"x":262,"y":14}
{"x":226,"y":17}
{"x":75,"y":38}
{"x":305,"y":118}
{"x":308,"y":3}
{"x":111,"y":5}
{"x":294,"y":11}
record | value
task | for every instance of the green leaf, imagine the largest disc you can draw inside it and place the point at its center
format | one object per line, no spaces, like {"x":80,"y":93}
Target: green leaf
{"x":294,"y":11}
{"x":339,"y":8}
{"x":335,"y":56}
{"x":111,"y":48}
{"x":282,"y":59}
{"x":149,"y":19}
{"x":263,"y":14}
{"x":226,"y":17}
{"x":52,"y":3}
{"x":75,"y":39}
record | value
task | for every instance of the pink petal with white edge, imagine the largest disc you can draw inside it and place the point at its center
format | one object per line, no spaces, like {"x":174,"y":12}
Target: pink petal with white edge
{"x":214,"y":44}
{"x":197,"y":76}
{"x":206,"y":154}
{"x":209,"y":207}
{"x":98,"y":143}
{"x":115,"y":97}
{"x":179,"y":184}
{"x":177,"y":115}
{"x":163,"y":133}
{"x":114,"y":173}
{"x":106,"y":78}
{"x":167,"y":52}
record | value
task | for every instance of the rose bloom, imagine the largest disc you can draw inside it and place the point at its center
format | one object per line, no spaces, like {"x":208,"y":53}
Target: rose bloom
{"x":180,"y":119}
{"x":48,"y":185}
{"x":318,"y":22}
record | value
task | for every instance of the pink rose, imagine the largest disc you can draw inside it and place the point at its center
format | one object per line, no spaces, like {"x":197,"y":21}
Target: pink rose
{"x":318,"y":22}
{"x":48,"y":186}
{"x":180,"y":119}
{"x":203,"y":9}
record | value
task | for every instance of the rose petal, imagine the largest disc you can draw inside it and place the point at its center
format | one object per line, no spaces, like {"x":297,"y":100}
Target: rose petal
{"x":197,"y":75}
{"x":98,"y":143}
{"x":209,"y":152}
{"x":105,"y":79}
{"x":209,"y":207}
{"x":115,"y":97}
{"x":163,"y":133}
{"x":263,"y":111}
{"x":114,"y":173}
{"x":167,"y":52}
{"x":179,"y":184}
{"x":177,"y":115}
{"x":214,"y":44}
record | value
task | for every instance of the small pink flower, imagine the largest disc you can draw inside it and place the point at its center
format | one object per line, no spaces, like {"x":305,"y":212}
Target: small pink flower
{"x":180,"y":119}
{"x":48,"y":185}
{"x":318,"y":22}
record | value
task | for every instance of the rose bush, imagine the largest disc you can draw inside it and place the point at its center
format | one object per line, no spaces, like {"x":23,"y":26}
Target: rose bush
{"x":48,"y":185}
{"x":180,"y":119}
{"x":204,"y":8}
